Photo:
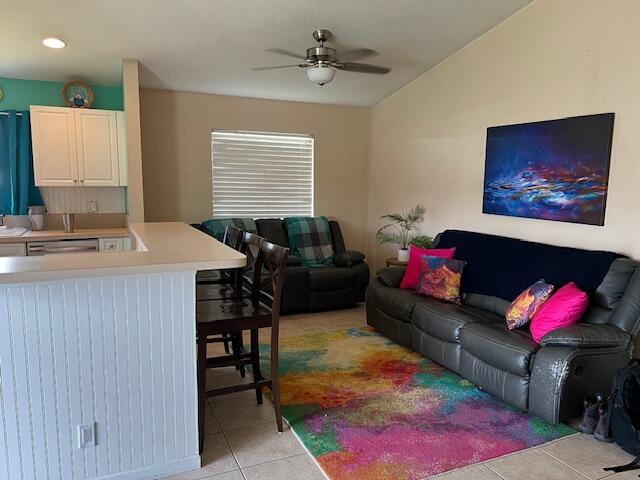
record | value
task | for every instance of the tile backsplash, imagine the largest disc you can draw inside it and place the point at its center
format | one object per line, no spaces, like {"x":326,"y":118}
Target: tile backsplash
{"x":77,"y":199}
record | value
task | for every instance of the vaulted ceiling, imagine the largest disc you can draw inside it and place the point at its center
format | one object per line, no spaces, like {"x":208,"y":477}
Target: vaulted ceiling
{"x":210,"y":45}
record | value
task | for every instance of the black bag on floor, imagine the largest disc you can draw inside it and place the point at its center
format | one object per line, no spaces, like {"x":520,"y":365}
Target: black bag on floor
{"x":624,"y":413}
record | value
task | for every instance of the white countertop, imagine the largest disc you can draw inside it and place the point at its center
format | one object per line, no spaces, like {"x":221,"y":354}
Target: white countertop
{"x":77,"y":234}
{"x":162,"y":247}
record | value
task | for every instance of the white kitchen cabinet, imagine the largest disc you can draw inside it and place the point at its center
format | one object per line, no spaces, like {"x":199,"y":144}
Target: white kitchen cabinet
{"x":13,"y":250}
{"x":53,"y":134}
{"x":81,"y":147}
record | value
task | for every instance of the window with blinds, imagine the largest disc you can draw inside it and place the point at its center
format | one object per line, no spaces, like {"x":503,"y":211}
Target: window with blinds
{"x":261,"y":175}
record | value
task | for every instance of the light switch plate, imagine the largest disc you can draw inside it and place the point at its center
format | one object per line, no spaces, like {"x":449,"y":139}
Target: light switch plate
{"x":87,"y":435}
{"x":92,"y":206}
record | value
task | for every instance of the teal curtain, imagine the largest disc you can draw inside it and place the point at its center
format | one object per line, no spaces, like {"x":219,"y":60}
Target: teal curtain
{"x":17,"y":188}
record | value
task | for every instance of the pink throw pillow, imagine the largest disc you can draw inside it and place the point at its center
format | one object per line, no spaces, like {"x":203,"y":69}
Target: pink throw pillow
{"x":412,"y":274}
{"x":564,"y":308}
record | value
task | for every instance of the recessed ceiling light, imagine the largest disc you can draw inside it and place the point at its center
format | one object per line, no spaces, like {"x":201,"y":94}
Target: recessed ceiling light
{"x":53,"y":42}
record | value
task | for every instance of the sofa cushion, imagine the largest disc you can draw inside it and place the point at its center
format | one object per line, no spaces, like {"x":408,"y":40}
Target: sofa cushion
{"x":273,"y":229}
{"x":494,"y":344}
{"x":348,"y":258}
{"x":330,"y":278}
{"x":391,"y":276}
{"x":615,"y":283}
{"x":495,"y":305}
{"x":397,"y":303}
{"x":445,"y":320}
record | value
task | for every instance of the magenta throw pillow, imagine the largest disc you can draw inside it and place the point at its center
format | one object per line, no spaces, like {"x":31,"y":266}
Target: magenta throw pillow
{"x":412,"y":274}
{"x":564,"y":308}
{"x":441,"y":278}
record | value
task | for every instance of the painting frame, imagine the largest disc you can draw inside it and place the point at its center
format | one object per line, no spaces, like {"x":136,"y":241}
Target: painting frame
{"x":555,"y":170}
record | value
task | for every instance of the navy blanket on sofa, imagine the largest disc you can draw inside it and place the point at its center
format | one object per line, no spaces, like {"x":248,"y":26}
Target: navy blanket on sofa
{"x":503,"y":267}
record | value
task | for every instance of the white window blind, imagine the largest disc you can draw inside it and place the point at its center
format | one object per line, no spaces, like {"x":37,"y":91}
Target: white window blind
{"x":260,"y":175}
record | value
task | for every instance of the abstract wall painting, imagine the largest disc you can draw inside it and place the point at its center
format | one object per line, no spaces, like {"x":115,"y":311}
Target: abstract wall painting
{"x":551,"y":170}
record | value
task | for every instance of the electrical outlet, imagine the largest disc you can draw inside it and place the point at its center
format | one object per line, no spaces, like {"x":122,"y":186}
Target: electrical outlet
{"x":92,"y":206}
{"x":87,"y":435}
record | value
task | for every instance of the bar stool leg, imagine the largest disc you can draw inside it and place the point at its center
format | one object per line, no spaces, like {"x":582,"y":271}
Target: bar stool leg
{"x":236,"y":345}
{"x":275,"y":377}
{"x":202,"y":385}
{"x":255,"y":362}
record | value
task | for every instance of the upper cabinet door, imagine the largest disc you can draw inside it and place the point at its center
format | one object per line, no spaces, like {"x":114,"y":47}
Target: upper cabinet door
{"x":97,"y":143}
{"x":53,"y":134}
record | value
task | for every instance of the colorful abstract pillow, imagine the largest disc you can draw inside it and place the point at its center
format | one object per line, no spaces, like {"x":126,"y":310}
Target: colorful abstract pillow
{"x":525,"y":306}
{"x":564,"y":308}
{"x":412,"y":274}
{"x":440,"y":278}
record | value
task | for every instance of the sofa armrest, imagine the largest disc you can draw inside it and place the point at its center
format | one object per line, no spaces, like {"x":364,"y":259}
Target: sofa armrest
{"x":348,"y":258}
{"x":391,"y":276}
{"x":585,"y":335}
{"x":293,"y":261}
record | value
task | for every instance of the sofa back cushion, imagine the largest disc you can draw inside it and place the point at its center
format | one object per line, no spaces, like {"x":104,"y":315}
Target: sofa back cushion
{"x":615,"y":283}
{"x":216,"y":226}
{"x":310,"y":239}
{"x":273,"y":229}
{"x":503,"y":267}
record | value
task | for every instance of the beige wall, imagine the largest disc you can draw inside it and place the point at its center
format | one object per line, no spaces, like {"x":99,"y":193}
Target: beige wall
{"x":176,"y":150}
{"x":551,"y":60}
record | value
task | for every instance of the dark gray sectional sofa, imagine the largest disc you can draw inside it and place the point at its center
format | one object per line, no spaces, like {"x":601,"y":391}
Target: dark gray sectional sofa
{"x":548,"y":380}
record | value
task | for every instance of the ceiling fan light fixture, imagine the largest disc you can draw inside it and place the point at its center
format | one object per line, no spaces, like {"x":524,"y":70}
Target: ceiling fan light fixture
{"x":320,"y":74}
{"x":53,"y":42}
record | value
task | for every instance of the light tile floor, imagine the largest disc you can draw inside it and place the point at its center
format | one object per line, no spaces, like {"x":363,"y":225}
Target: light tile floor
{"x":242,"y":441}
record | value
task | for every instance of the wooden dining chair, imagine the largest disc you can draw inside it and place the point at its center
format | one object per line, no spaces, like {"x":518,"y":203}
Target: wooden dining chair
{"x":235,"y":315}
{"x":221,"y":283}
{"x":232,"y":237}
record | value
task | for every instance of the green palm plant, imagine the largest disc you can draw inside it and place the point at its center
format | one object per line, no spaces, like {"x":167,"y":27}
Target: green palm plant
{"x":401,"y":229}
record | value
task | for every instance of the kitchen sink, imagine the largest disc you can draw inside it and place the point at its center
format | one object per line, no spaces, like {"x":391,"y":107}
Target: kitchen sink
{"x":11,"y":231}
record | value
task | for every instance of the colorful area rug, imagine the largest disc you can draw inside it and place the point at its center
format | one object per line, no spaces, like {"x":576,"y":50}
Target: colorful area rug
{"x":367,"y":408}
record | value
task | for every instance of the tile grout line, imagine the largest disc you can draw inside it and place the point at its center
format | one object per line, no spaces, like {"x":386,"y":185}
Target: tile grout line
{"x":563,"y":463}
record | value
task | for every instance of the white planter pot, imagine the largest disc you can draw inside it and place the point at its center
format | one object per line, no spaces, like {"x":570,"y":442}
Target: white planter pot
{"x":403,"y":255}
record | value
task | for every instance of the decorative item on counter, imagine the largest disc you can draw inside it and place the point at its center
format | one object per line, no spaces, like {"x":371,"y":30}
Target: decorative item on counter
{"x":36,"y":215}
{"x":78,"y":94}
{"x":67,"y":221}
{"x":402,"y":231}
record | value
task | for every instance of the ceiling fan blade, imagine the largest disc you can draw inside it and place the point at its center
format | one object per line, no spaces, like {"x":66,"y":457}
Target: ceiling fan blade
{"x":356,"y":54}
{"x":282,"y":51}
{"x":362,"y":68}
{"x":259,"y":69}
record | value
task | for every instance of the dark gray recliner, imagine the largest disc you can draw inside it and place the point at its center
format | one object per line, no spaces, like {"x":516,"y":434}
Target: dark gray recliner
{"x":341,"y":285}
{"x":548,"y":380}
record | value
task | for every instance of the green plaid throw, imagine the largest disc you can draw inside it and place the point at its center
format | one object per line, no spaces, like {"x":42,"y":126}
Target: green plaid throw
{"x":310,"y":239}
{"x":217,"y":226}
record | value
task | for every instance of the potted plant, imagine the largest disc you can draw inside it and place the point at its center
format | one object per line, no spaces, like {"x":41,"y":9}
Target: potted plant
{"x":401,"y":230}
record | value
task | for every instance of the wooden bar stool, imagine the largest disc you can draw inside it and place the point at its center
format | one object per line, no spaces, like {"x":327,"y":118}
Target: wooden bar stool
{"x":260,"y":310}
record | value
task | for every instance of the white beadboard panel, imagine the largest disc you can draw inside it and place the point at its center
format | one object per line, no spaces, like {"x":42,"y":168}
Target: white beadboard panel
{"x":75,"y":199}
{"x":115,"y":351}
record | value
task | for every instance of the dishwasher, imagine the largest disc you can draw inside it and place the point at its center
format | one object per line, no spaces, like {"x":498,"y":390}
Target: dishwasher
{"x":62,"y":246}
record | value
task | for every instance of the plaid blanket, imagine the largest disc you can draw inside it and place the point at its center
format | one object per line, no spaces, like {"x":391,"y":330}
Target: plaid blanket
{"x":216,"y":226}
{"x":310,"y":239}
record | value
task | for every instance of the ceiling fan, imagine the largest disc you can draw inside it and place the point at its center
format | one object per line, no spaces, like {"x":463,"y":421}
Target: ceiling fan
{"x":322,"y":62}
